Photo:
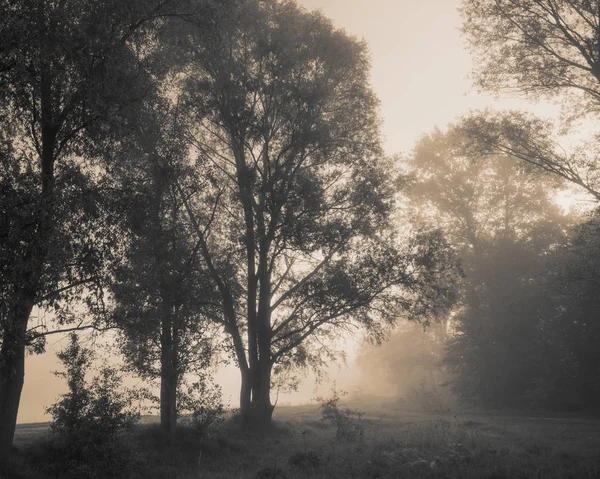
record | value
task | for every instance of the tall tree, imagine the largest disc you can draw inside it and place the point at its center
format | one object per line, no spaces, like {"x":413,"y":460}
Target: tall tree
{"x":300,"y":240}
{"x":499,"y":214}
{"x":161,"y":291}
{"x":70,"y":71}
{"x":569,"y":356}
{"x":547,"y":48}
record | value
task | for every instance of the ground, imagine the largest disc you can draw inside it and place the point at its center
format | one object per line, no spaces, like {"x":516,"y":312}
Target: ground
{"x":395,"y":442}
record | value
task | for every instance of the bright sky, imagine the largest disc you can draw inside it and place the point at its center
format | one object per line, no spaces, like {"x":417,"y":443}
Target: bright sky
{"x":420,"y":66}
{"x":420,"y":73}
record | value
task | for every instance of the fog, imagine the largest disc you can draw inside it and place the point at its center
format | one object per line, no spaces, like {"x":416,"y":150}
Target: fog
{"x":311,"y":221}
{"x":421,"y":74}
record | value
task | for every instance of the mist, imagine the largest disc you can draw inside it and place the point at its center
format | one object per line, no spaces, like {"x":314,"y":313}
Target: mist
{"x":304,"y":238}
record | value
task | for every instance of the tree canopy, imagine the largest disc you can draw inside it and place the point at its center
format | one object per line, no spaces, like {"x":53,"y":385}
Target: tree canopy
{"x":299,"y":237}
{"x":539,"y":48}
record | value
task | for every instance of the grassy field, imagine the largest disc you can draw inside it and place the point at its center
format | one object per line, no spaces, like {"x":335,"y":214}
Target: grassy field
{"x":395,"y":443}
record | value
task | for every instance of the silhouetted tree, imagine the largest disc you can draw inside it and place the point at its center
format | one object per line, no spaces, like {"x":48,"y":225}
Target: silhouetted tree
{"x":300,"y":240}
{"x":550,"y":49}
{"x":88,"y":419}
{"x":568,"y":353}
{"x":66,"y":68}
{"x":162,"y":293}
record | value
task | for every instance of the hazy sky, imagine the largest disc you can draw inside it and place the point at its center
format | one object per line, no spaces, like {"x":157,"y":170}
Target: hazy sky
{"x":420,"y":73}
{"x":420,"y":66}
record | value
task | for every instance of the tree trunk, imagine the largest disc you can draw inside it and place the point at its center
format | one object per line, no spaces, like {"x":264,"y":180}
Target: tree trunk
{"x":168,"y":380}
{"x":245,"y":391}
{"x":259,"y":414}
{"x":12,"y":376}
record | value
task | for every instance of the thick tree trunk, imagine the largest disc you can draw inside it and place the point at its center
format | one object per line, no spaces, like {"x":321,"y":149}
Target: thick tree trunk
{"x":27,"y":285}
{"x":258,"y":415}
{"x":12,"y":376}
{"x":168,"y":402}
{"x":168,"y":379}
{"x":245,"y":391}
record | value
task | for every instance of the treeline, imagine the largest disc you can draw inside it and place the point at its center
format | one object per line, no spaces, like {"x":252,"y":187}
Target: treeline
{"x":525,"y":331}
{"x":207,"y":180}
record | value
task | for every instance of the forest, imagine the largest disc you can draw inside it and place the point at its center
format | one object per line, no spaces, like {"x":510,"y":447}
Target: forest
{"x":192,"y":184}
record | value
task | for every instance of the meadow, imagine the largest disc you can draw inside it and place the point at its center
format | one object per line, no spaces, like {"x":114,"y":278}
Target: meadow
{"x":391,"y":442}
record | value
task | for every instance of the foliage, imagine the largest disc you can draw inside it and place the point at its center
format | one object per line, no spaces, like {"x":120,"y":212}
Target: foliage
{"x":569,"y":359}
{"x":299,"y":237}
{"x":347,"y":422}
{"x":71,"y":81}
{"x":161,"y":291}
{"x":88,"y":420}
{"x":539,"y":48}
{"x":548,"y":49}
{"x":203,"y":400}
{"x":500,"y":216}
{"x":95,"y":411}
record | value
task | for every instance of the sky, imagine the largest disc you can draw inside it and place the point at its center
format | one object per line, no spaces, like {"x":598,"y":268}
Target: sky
{"x":420,"y":64}
{"x":420,"y":72}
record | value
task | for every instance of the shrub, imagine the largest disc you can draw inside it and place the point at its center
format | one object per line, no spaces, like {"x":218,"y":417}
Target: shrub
{"x":346,"y":421}
{"x":305,"y":460}
{"x":202,"y":400}
{"x":88,"y":418}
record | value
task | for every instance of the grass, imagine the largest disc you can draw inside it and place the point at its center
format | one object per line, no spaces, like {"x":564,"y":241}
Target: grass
{"x":396,"y":443}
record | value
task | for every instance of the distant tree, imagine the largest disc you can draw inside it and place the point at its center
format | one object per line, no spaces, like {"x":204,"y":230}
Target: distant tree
{"x":300,"y":239}
{"x":499,"y":214}
{"x":408,"y":365}
{"x":549,"y":49}
{"x":569,"y":357}
{"x":536,"y":47}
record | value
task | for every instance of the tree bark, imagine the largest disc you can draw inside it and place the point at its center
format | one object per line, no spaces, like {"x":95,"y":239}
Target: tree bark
{"x":168,"y":379}
{"x":259,"y":414}
{"x":12,"y":376}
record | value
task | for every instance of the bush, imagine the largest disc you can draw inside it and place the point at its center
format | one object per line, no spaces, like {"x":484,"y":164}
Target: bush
{"x":203,"y":401}
{"x":426,"y":397}
{"x":346,"y":421}
{"x":305,"y":460}
{"x":88,"y":419}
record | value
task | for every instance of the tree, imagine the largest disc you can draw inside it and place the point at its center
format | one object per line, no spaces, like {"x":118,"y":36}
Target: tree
{"x":71,"y":76}
{"x":500,"y":216}
{"x":551,"y":49}
{"x":408,"y":365}
{"x":90,"y":412}
{"x":299,"y":239}
{"x":87,"y":419}
{"x":536,"y":47}
{"x":162,"y":292}
{"x":569,"y":358}
{"x":540,"y":48}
